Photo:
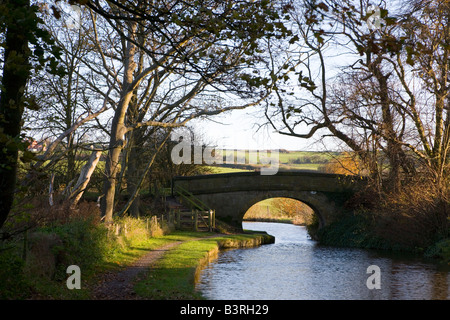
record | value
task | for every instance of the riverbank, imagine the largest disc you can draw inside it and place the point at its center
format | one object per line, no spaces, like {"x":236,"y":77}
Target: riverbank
{"x":173,"y":277}
{"x":365,"y":231}
{"x":35,"y":266}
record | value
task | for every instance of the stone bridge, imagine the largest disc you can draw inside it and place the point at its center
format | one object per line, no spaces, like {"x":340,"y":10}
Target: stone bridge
{"x":232,"y":194}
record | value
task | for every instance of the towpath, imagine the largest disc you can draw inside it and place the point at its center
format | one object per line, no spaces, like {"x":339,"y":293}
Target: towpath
{"x":119,"y":286}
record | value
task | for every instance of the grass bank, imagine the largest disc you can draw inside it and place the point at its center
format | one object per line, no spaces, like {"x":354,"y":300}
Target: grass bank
{"x":33,"y":265}
{"x":174,"y":276}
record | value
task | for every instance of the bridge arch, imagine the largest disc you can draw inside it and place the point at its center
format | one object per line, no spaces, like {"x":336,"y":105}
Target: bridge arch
{"x":232,"y":194}
{"x":304,"y":198}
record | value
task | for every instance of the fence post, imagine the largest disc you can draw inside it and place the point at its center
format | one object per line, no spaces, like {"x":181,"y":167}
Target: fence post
{"x":178,"y":219}
{"x":154,"y":222}
{"x":25,"y":246}
{"x":210,"y":220}
{"x":195,"y":220}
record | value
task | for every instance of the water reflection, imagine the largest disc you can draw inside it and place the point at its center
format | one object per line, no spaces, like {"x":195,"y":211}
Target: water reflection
{"x":295,"y":267}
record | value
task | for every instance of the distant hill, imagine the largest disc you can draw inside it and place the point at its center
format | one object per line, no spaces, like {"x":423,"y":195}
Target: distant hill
{"x":288,"y":161}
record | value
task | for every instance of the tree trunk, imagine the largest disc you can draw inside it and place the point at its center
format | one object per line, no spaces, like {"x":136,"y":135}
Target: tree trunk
{"x":133,"y":172}
{"x":71,"y":164}
{"x":393,"y":148}
{"x":116,"y":145}
{"x":51,"y":190}
{"x":16,"y":70}
{"x":85,"y":176}
{"x":118,"y":131}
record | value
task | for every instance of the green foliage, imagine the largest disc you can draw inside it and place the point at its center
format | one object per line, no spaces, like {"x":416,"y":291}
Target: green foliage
{"x":356,"y":230}
{"x":351,"y":230}
{"x":83,"y":243}
{"x":362,"y":229}
{"x":13,"y":284}
{"x":440,"y":250}
{"x":44,"y":53}
{"x":40,"y":270}
{"x":313,"y":226}
{"x":136,"y":231}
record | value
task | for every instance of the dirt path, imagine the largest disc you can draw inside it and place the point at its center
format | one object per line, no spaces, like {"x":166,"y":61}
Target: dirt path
{"x":119,"y":286}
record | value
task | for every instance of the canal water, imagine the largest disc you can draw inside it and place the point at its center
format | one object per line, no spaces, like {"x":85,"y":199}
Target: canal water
{"x":298,"y":268}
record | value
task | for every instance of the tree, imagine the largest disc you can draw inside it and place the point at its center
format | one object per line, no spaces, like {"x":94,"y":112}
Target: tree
{"x":25,"y":45}
{"x":425,"y":58}
{"x":372,"y":105}
{"x":157,"y":65}
{"x":66,"y":103}
{"x":192,"y":46}
{"x":291,"y":207}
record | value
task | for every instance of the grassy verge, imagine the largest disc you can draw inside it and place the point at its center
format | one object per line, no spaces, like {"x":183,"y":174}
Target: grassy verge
{"x":34,"y":265}
{"x":174,"y":276}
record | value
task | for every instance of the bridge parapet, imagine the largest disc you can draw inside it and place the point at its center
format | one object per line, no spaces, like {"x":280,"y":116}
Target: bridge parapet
{"x":253,"y":181}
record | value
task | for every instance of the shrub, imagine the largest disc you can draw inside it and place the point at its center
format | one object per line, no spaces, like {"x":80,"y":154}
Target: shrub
{"x":130,"y":231}
{"x":83,"y":243}
{"x":313,"y":226}
{"x":34,"y":264}
{"x":440,"y":250}
{"x":13,"y":284}
{"x":41,"y":260}
{"x":347,"y":164}
{"x":415,"y":217}
{"x":351,"y":230}
{"x":42,"y":214}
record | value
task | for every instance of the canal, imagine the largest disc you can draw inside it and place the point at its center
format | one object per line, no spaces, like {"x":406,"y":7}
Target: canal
{"x":298,"y":268}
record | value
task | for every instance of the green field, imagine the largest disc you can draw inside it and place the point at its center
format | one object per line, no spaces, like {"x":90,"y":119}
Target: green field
{"x":288,"y":160}
{"x":217,"y":170}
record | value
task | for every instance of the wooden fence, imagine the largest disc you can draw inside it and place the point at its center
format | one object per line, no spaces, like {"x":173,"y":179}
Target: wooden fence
{"x":199,"y":218}
{"x":194,"y":220}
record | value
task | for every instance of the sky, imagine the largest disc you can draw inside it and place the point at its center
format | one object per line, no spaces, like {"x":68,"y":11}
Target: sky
{"x":238,"y":129}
